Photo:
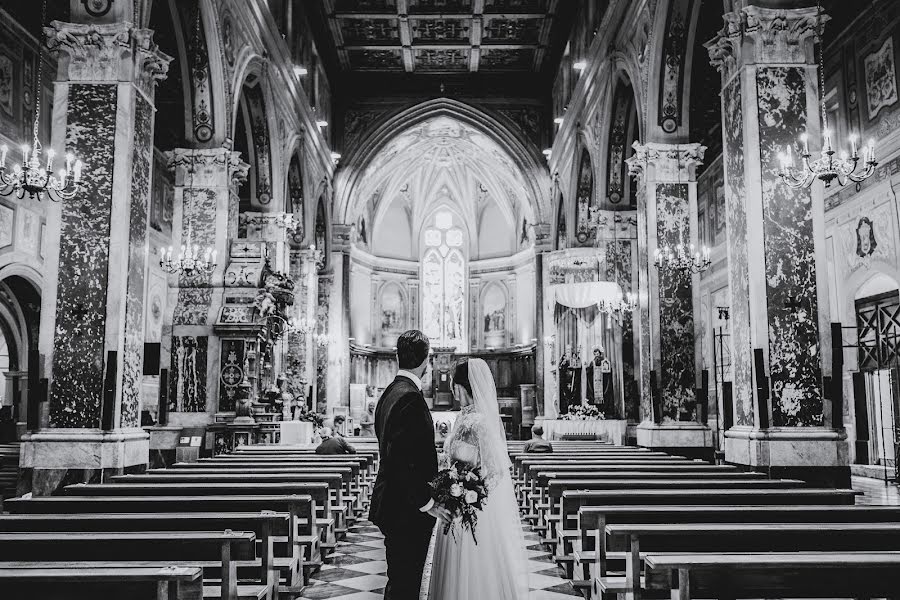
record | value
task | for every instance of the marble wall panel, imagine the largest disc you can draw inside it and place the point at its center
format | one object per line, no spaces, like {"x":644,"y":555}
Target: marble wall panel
{"x":794,"y":357}
{"x":676,"y":308}
{"x":187,"y":376}
{"x":325,"y":283}
{"x":231,"y":373}
{"x":132,"y":369}
{"x":739,"y":279}
{"x":192,"y":306}
{"x":620,"y":268}
{"x":6,"y":225}
{"x":78,"y":346}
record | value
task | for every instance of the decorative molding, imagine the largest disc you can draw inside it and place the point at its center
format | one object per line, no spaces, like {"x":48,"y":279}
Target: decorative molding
{"x":206,"y":167}
{"x":670,"y":162}
{"x":773,"y":35}
{"x":107,"y":53}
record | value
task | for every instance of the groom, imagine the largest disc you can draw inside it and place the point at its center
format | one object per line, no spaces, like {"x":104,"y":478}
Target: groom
{"x":402,"y":506}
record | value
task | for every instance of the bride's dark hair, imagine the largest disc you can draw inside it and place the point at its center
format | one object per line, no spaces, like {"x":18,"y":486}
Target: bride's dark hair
{"x":461,"y":376}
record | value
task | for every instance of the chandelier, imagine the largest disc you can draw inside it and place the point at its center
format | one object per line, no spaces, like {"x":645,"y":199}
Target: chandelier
{"x":623,"y":303}
{"x":830,"y":166}
{"x":188,"y":261}
{"x":34,"y":176}
{"x":682,"y":258}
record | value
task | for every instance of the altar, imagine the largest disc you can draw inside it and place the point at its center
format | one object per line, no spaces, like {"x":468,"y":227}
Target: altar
{"x":609,"y":429}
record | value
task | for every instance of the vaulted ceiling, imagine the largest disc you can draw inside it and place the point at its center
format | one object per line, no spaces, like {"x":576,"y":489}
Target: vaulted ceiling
{"x":446,"y":37}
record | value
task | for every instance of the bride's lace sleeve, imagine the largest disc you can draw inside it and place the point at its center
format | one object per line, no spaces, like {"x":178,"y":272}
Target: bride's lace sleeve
{"x":474,"y":443}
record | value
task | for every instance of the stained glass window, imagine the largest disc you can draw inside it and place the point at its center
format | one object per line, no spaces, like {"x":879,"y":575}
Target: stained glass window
{"x":444,"y":284}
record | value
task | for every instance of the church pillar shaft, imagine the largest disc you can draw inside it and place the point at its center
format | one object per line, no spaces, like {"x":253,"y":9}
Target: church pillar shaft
{"x":103,"y":113}
{"x":298,"y":364}
{"x":667,"y":218}
{"x":205,"y":208}
{"x":780,"y":330}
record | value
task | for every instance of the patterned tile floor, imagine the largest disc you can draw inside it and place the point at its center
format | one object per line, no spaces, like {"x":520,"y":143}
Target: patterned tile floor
{"x":876,"y":491}
{"x":357,"y":571}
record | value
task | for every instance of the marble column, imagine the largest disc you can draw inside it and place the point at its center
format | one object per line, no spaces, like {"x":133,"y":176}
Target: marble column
{"x":206,"y":206}
{"x":338,"y":321}
{"x":780,"y":326}
{"x":97,"y":243}
{"x":667,"y":216}
{"x":301,"y":345}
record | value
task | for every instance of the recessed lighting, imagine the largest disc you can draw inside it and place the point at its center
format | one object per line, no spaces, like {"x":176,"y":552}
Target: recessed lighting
{"x":335,"y":156}
{"x":558,"y":120}
{"x":580,"y":65}
{"x":547,"y":152}
{"x":321,"y":123}
{"x":300,"y":71}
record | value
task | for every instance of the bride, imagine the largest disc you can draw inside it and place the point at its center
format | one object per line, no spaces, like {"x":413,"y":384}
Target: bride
{"x":495,"y":567}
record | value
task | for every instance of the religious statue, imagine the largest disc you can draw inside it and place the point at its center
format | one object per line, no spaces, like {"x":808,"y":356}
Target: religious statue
{"x":242,"y":405}
{"x":569,"y":379}
{"x":599,"y":382}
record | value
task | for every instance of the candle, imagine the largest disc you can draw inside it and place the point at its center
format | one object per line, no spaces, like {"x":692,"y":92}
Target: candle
{"x":24,"y":154}
{"x":854,"y":150}
{"x":214,"y":253}
{"x":50,"y":155}
{"x":78,"y":165}
{"x":871,"y":150}
{"x":3,"y":151}
{"x":805,"y":139}
{"x":69,"y":159}
{"x":827,"y":134}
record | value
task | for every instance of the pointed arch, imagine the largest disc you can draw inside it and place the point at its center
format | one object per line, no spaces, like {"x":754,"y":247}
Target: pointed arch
{"x":522,"y":153}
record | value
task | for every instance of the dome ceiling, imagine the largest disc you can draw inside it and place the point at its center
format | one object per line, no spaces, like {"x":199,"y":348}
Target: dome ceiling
{"x":443,"y":161}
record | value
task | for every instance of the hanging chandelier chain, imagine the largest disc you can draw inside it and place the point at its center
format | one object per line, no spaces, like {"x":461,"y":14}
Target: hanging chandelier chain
{"x":821,"y":42}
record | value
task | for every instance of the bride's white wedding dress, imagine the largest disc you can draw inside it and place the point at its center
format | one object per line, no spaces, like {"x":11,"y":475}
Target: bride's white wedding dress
{"x":495,"y":568}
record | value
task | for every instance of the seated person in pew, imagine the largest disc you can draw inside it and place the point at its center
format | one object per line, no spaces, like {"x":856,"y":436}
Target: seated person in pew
{"x":333,"y":444}
{"x":537,"y":444}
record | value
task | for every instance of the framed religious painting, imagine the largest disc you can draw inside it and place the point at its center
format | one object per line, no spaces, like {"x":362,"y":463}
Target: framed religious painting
{"x":881,"y":78}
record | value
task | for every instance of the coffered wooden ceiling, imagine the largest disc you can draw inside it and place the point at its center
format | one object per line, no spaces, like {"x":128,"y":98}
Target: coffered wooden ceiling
{"x":444,"y":36}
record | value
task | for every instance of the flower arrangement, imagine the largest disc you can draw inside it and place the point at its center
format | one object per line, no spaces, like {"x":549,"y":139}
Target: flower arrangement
{"x":462,"y":491}
{"x":583,"y":412}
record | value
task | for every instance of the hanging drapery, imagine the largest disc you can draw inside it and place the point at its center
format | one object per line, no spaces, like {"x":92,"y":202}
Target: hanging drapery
{"x":580,"y":329}
{"x":585,"y":294}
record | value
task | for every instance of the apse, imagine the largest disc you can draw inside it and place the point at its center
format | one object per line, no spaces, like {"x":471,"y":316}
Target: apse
{"x":442,"y":224}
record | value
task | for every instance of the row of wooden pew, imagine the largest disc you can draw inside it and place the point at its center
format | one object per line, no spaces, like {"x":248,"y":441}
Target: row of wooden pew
{"x":629,"y":522}
{"x":251,"y":525}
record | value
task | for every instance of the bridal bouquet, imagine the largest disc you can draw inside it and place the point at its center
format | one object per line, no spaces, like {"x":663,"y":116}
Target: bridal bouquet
{"x":462,"y":491}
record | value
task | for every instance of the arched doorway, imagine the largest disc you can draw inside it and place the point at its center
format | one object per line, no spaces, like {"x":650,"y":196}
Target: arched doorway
{"x":876,"y":384}
{"x":20,"y":316}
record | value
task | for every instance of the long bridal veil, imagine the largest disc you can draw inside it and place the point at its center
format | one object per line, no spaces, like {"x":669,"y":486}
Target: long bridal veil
{"x":496,"y":567}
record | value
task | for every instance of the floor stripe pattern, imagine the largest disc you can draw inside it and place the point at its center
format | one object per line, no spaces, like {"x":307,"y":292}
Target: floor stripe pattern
{"x":357,"y":569}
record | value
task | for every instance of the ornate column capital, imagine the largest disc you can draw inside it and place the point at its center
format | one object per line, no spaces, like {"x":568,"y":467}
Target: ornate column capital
{"x":666,"y":162}
{"x":107,"y":53}
{"x":543,"y":238}
{"x":765,"y":35}
{"x":340,"y":237}
{"x":206,"y":167}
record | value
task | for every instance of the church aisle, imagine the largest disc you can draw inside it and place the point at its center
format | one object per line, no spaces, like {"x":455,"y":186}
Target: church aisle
{"x":357,"y":571}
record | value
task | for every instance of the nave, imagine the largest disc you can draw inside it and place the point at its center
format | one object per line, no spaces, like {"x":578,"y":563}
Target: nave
{"x":600,"y":520}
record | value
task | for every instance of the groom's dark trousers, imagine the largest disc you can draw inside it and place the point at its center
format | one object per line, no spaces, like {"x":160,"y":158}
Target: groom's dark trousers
{"x":408,"y":462}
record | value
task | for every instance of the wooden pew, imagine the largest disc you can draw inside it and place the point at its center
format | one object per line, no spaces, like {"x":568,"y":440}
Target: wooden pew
{"x":738,"y":493}
{"x":318,"y":491}
{"x":779,"y":575}
{"x":341,"y":502}
{"x":266,"y":525}
{"x":355,"y":493}
{"x":50,"y":581}
{"x":172,"y":547}
{"x":302,"y":508}
{"x":740,"y":537}
{"x":593,"y":558}
{"x":537,"y":477}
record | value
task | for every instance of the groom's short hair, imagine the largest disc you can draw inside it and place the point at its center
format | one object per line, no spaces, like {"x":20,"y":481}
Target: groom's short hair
{"x":412,"y":349}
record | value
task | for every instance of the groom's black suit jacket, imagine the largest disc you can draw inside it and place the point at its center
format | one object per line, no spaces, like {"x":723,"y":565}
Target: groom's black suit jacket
{"x":408,"y":458}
